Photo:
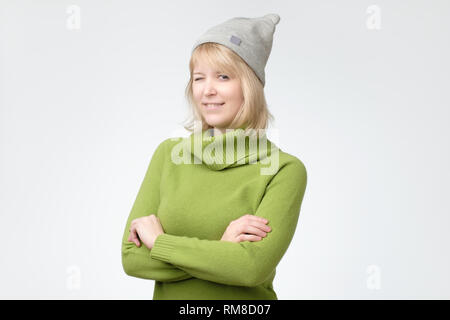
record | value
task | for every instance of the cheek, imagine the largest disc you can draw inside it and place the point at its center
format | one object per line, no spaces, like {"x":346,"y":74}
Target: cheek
{"x":235,"y":94}
{"x":196,"y":95}
{"x":236,"y":110}
{"x":196,"y":91}
{"x":237,"y":104}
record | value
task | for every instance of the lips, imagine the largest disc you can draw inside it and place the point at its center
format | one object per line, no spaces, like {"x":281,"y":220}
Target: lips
{"x":213,"y":105}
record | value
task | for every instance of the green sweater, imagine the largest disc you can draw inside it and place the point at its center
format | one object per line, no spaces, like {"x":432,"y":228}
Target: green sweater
{"x":196,"y":198}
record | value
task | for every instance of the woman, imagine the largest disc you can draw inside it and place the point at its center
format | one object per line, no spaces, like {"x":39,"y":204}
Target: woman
{"x":215,"y":214}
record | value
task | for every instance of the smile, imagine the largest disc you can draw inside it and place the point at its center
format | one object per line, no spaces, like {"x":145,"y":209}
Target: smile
{"x":213,"y":105}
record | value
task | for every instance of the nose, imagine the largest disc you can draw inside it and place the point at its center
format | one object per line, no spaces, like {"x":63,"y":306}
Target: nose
{"x":209,"y":88}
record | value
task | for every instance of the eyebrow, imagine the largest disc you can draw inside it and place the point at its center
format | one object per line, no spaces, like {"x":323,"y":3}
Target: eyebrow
{"x":203,"y":73}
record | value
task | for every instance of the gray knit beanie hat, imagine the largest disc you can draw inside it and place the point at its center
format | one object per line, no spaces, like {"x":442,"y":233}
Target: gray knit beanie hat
{"x":250,"y":38}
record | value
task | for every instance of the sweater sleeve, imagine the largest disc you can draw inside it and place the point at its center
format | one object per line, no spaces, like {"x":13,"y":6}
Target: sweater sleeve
{"x":245,"y":263}
{"x":137,"y":261}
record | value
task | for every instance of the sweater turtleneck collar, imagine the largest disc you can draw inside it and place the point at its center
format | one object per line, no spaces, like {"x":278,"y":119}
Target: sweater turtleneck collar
{"x":235,"y":147}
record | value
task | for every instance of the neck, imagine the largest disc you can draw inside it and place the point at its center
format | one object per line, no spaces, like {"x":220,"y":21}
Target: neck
{"x":218,"y":131}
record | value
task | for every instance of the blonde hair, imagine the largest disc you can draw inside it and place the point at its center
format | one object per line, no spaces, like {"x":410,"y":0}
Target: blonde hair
{"x":253,"y":113}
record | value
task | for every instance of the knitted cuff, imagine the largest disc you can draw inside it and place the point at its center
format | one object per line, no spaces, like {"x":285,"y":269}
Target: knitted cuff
{"x":163,"y":247}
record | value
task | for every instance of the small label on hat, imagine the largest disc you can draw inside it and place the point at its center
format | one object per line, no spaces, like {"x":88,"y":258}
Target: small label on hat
{"x":235,"y":40}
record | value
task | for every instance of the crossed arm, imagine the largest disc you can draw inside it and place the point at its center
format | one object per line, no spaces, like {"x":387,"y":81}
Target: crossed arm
{"x":136,"y":261}
{"x":175,"y":258}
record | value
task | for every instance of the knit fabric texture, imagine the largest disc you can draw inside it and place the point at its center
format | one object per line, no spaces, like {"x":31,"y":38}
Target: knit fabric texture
{"x":196,"y":198}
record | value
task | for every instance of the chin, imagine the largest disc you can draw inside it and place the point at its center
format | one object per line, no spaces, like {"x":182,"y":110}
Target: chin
{"x":216,"y":123}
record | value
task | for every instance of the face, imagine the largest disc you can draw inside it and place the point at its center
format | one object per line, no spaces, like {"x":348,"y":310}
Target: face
{"x":211,"y":86}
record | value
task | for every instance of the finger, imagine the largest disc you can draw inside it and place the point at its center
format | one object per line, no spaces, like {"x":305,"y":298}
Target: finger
{"x":264,"y":220}
{"x":248,"y":237}
{"x":256,"y":218}
{"x":254,"y":230}
{"x":132,"y":239}
{"x":261,"y":226}
{"x":134,"y":236}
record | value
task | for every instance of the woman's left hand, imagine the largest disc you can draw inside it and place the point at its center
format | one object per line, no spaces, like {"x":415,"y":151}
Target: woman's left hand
{"x":145,"y":229}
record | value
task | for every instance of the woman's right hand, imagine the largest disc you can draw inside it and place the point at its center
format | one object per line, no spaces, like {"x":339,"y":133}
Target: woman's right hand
{"x":246,"y":228}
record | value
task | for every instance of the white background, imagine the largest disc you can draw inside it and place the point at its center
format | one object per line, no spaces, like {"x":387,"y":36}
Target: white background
{"x":365,"y":109}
